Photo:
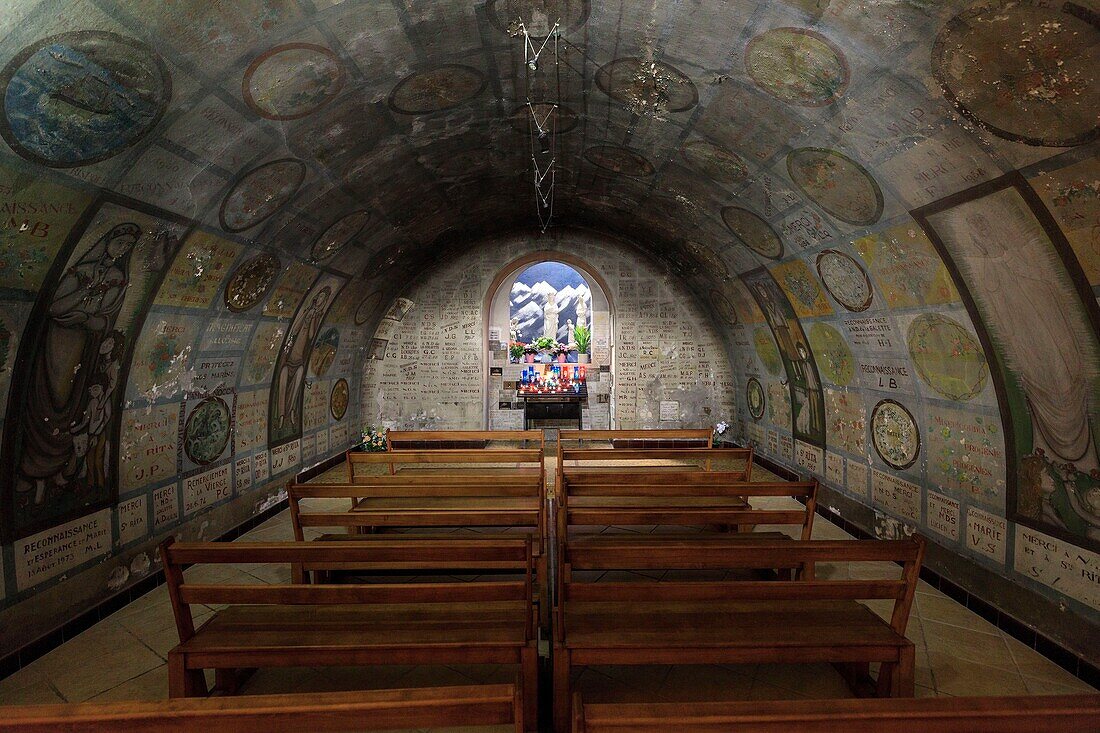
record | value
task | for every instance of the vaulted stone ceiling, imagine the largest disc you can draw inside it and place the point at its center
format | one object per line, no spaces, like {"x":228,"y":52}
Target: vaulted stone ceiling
{"x":690,"y":127}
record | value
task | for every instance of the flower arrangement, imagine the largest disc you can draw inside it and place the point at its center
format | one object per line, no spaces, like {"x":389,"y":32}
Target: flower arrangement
{"x":374,"y":441}
{"x":516,"y":350}
{"x":545,"y":343}
{"x":721,"y":428}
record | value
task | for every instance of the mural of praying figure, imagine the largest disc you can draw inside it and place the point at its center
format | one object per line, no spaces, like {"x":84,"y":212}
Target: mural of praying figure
{"x":76,"y":348}
{"x":296,"y":352}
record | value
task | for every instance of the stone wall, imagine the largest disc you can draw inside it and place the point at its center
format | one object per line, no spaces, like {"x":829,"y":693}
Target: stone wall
{"x":665,"y":352}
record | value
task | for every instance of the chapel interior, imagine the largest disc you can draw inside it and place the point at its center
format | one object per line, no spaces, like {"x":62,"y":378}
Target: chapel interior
{"x":550,"y":365}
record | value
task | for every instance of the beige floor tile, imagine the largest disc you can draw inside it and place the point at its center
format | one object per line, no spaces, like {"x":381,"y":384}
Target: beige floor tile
{"x":955,"y":676}
{"x":944,"y":610}
{"x":79,"y":670}
{"x":28,"y":691}
{"x":808,"y":680}
{"x":691,"y":683}
{"x":764,"y":691}
{"x":973,"y":646}
{"x":280,"y":680}
{"x":152,"y":685}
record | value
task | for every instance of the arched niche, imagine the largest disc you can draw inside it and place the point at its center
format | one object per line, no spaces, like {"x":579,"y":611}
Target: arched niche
{"x":497,"y":312}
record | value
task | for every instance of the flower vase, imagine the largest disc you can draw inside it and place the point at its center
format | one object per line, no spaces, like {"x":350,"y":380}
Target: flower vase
{"x":561,"y":357}
{"x":582,"y":358}
{"x":529,"y":358}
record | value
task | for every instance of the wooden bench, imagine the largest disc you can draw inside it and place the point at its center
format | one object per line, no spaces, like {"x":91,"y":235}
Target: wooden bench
{"x":1039,"y":714}
{"x":635,"y":494}
{"x":701,"y":506}
{"x":507,"y":491}
{"x":579,"y":463}
{"x":443,"y":439}
{"x":316,"y":712}
{"x":732,"y":621}
{"x":641,"y":438}
{"x":445,"y":621}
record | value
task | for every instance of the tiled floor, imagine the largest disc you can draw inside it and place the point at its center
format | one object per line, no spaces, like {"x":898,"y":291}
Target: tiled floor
{"x":123,"y":657}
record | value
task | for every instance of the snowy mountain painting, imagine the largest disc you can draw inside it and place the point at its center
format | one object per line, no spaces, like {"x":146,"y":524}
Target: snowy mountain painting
{"x":529,"y":295}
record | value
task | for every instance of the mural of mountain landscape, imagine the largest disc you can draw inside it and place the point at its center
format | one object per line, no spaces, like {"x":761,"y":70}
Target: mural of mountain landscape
{"x":530,"y":292}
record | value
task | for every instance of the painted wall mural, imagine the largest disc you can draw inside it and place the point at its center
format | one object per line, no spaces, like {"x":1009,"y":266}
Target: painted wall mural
{"x":60,"y":456}
{"x":1044,"y":332}
{"x":887,"y":212}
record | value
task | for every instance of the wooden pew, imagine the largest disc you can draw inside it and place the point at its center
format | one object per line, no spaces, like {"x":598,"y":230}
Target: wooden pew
{"x":326,"y":712}
{"x":427,"y":510}
{"x":1039,"y":714}
{"x":701,"y":505}
{"x":512,"y":495}
{"x":445,"y":621}
{"x":578,"y":463}
{"x":437,"y":439}
{"x":642,"y":438}
{"x":689,"y":495}
{"x":732,"y":621}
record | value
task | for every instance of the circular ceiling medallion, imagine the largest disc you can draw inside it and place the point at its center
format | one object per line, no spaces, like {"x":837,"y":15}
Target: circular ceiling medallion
{"x":435,"y":90}
{"x":723,"y":307}
{"x":767,"y":350}
{"x":261,"y":192}
{"x":291,"y":81}
{"x":1026,"y":70}
{"x":837,"y":184}
{"x":338,"y":399}
{"x":798,"y":66}
{"x":754,"y":396}
{"x":845,"y":280}
{"x":647,"y":87}
{"x":753,"y":232}
{"x":538,"y":15}
{"x":894,"y":434}
{"x":621,"y":161}
{"x":831,"y":352}
{"x":947,"y":357}
{"x":206,"y":432}
{"x":548,"y":116}
{"x":368,"y":307}
{"x":250,"y":283}
{"x":82,"y":97}
{"x":338,"y":234}
{"x":715,"y":162}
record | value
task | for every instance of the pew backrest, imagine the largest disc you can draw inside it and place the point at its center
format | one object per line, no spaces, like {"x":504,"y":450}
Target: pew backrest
{"x":577,"y":462}
{"x":641,"y":438}
{"x":502,"y":462}
{"x":328,"y":712}
{"x":424,"y":557}
{"x":397,"y":440}
{"x":1036,"y":714}
{"x":662,"y":554}
{"x":655,"y":499}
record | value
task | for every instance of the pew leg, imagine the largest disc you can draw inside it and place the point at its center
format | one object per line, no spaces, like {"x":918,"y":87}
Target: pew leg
{"x":529,"y":663}
{"x":542,"y":575}
{"x":183,"y":682}
{"x":904,"y":674}
{"x":562,"y":694}
{"x":895,"y":679}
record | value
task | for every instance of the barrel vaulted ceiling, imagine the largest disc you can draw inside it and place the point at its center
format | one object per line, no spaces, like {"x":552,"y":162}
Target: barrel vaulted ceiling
{"x":714,"y":134}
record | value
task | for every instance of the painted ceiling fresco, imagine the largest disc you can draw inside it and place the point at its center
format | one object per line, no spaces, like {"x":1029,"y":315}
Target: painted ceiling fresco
{"x":892,"y":208}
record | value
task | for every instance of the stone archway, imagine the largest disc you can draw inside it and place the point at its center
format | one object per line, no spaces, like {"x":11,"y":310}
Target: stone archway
{"x":598,"y":411}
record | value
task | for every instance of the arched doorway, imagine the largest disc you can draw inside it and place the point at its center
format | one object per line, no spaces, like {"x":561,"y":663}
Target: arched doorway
{"x":533,"y":309}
